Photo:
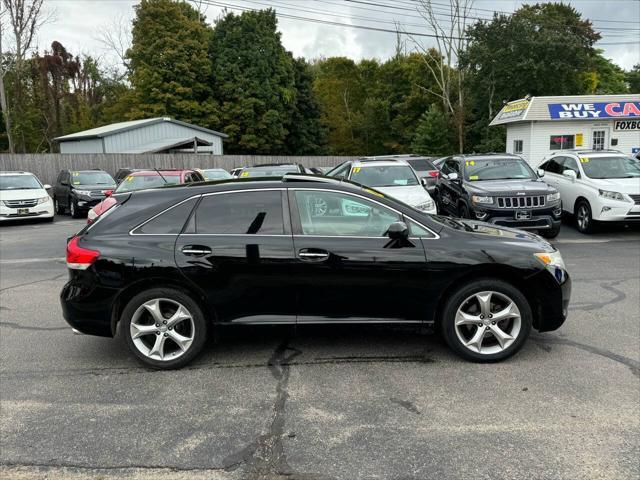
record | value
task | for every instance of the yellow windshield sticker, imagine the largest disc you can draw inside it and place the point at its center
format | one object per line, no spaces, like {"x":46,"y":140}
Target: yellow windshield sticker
{"x":584,"y":159}
{"x":470,"y":163}
{"x":356,"y":169}
{"x":75,"y":174}
{"x":473,"y":177}
{"x":129,"y":179}
{"x":373,"y":192}
{"x":244,"y":174}
{"x":76,"y":183}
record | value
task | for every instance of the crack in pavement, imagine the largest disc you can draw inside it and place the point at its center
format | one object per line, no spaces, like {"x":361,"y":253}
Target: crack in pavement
{"x":31,"y":283}
{"x":265,"y":456}
{"x":406,"y":404}
{"x":619,"y":295}
{"x":17,"y":326}
{"x":632,"y":364}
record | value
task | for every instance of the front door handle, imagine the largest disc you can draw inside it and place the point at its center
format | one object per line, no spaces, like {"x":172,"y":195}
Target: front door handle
{"x":196,"y":250}
{"x":313,"y":255}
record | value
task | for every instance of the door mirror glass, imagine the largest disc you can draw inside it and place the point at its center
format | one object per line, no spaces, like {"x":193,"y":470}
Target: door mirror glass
{"x":540,"y":173}
{"x":570,"y":174}
{"x":423,"y":181}
{"x":453,"y":176}
{"x":46,"y":186}
{"x":398,"y":231}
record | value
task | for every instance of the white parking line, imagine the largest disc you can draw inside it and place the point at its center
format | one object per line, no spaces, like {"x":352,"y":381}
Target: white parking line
{"x":14,"y":261}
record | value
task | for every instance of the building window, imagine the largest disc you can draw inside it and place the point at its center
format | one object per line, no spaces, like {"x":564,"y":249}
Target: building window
{"x":561,"y":142}
{"x":598,"y":139}
{"x":517,"y":146}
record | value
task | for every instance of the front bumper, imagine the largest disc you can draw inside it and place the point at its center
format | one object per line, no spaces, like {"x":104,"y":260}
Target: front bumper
{"x":85,"y":203}
{"x":553,"y":294}
{"x":539,"y":218}
{"x":42,"y":210}
{"x":615,"y":211}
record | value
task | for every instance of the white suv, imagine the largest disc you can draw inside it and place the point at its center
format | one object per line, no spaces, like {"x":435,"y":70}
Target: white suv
{"x":22,"y":196}
{"x":595,"y":185}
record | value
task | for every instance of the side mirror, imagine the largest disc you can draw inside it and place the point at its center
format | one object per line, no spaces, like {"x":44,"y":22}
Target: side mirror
{"x":541,"y":173}
{"x":453,"y":176}
{"x":46,"y":186}
{"x":423,"y":181}
{"x":570,"y":174}
{"x":398,"y":231}
{"x":108,"y":193}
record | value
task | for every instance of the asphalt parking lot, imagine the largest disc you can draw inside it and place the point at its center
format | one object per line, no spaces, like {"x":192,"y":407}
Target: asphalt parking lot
{"x":366,"y":402}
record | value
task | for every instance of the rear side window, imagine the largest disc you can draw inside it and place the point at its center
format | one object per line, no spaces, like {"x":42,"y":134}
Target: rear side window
{"x":245,"y":213}
{"x":169,"y":222}
{"x":421,"y":165}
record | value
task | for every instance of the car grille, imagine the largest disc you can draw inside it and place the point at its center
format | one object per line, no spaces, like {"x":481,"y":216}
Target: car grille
{"x":636,"y":199}
{"x":21,"y":203}
{"x":531,"y":201}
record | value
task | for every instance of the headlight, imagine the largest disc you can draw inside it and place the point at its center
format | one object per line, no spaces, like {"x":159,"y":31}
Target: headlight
{"x":428,"y":205}
{"x":43,"y":199}
{"x":86,"y":193}
{"x":612,"y":195}
{"x":553,"y":197}
{"x":481,"y":199}
{"x":554,"y":263}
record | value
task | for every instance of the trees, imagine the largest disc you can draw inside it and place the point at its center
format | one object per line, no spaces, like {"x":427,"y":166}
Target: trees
{"x":170,"y":71}
{"x":432,"y":134}
{"x":253,"y":79}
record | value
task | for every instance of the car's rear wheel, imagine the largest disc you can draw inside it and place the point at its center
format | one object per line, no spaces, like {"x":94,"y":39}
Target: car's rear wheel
{"x":584,"y":217}
{"x":486,"y":320}
{"x":59,"y":209}
{"x":463,"y":211}
{"x":164,"y":328}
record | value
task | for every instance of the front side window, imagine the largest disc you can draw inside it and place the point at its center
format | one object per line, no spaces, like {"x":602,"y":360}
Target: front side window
{"x":561,"y":142}
{"x":340,"y":172}
{"x":552,"y":166}
{"x":385,"y":176}
{"x":216,"y":174}
{"x":241,"y":213}
{"x":325,"y":213}
{"x":498,"y":169}
{"x":569,"y":163}
{"x":19,"y":182}
{"x":614,"y":166}
{"x":91,"y":178}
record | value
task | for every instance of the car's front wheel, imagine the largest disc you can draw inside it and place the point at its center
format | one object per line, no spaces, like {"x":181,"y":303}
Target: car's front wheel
{"x":486,"y":320}
{"x":74,"y":211}
{"x":59,"y":209}
{"x":164,"y":328}
{"x":584,"y":217}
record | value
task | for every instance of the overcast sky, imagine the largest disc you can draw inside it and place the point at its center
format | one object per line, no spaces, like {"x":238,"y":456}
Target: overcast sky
{"x":77,"y":23}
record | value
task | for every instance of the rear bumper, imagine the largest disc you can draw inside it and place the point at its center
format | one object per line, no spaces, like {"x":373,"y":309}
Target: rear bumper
{"x":87,"y":308}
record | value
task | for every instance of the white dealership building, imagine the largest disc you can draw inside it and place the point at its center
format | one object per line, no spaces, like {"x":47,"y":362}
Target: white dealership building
{"x":538,"y":126}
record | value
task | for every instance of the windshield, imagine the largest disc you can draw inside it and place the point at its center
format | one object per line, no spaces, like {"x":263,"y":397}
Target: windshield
{"x":385,"y":176}
{"x":91,"y":178}
{"x":215,"y":174}
{"x":19,"y":182}
{"x":140,"y":182}
{"x":275,"y":171}
{"x":610,"y":167}
{"x":498,"y":169}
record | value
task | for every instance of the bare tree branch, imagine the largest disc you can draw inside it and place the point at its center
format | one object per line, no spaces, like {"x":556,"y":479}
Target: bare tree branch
{"x":116,"y":39}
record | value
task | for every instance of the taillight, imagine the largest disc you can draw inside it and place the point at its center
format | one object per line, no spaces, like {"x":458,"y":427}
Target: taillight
{"x":433,"y":173}
{"x":79,"y":258}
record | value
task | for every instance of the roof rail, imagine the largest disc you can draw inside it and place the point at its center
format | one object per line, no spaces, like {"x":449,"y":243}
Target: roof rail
{"x":306,"y":177}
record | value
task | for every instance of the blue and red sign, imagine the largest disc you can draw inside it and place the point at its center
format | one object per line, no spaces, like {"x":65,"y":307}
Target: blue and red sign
{"x":584,"y":111}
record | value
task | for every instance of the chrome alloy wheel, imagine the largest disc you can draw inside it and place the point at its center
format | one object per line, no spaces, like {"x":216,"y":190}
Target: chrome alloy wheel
{"x":488,"y":322}
{"x":582,"y":217}
{"x":162,"y":329}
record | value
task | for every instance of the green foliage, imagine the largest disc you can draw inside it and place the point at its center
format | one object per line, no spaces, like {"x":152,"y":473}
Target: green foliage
{"x":254,"y":81}
{"x":432,"y":135}
{"x":170,"y":71}
{"x":633,"y":79}
{"x":609,"y":77}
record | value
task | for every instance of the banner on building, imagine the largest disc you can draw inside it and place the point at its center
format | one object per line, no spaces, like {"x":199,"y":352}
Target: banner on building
{"x":585,"y":111}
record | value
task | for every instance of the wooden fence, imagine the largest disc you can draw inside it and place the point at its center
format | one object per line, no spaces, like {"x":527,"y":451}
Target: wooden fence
{"x":47,"y":166}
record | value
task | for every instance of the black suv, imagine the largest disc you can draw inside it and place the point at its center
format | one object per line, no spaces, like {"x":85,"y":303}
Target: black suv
{"x":500,"y":189}
{"x":164,"y":267}
{"x":79,"y":190}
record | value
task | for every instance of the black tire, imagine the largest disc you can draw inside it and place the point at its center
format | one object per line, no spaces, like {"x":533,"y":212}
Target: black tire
{"x":458,"y":298}
{"x":200,"y":324}
{"x":550,"y":233}
{"x":48,"y":220}
{"x":59,"y":209}
{"x":463,"y":211}
{"x":440,"y":210}
{"x":74,"y":211}
{"x":584,"y":217}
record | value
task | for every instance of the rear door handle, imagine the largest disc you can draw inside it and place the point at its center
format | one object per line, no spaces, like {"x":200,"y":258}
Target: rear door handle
{"x":196,"y":250}
{"x":313,"y":255}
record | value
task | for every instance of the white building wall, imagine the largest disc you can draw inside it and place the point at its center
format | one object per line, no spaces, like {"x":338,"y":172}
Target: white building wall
{"x":541,"y":132}
{"x":121,"y":142}
{"x":92,"y":145}
{"x":519,"y":131}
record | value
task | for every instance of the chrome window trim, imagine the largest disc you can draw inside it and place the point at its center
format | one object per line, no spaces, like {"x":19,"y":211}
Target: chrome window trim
{"x":435,"y":235}
{"x":132,"y":231}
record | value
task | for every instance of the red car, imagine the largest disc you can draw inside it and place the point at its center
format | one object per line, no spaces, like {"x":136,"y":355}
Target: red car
{"x":141,"y":180}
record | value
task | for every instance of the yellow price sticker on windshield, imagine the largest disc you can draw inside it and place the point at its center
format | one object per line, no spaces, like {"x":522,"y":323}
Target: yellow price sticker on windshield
{"x":584,"y":159}
{"x":356,"y":169}
{"x":244,"y":174}
{"x":473,"y":177}
{"x":129,"y":179}
{"x":76,"y":183}
{"x":75,"y":174}
{"x":470,"y":163}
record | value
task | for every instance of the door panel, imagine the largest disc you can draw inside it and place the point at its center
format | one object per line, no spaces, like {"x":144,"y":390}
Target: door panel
{"x":344,"y":277}
{"x":238,"y":249}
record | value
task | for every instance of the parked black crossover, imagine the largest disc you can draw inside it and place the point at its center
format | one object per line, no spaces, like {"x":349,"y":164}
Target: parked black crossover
{"x":164,"y":267}
{"x":500,"y":189}
{"x":77,"y":191}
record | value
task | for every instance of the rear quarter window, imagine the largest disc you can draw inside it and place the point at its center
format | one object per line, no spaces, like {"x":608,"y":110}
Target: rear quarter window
{"x":169,"y":222}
